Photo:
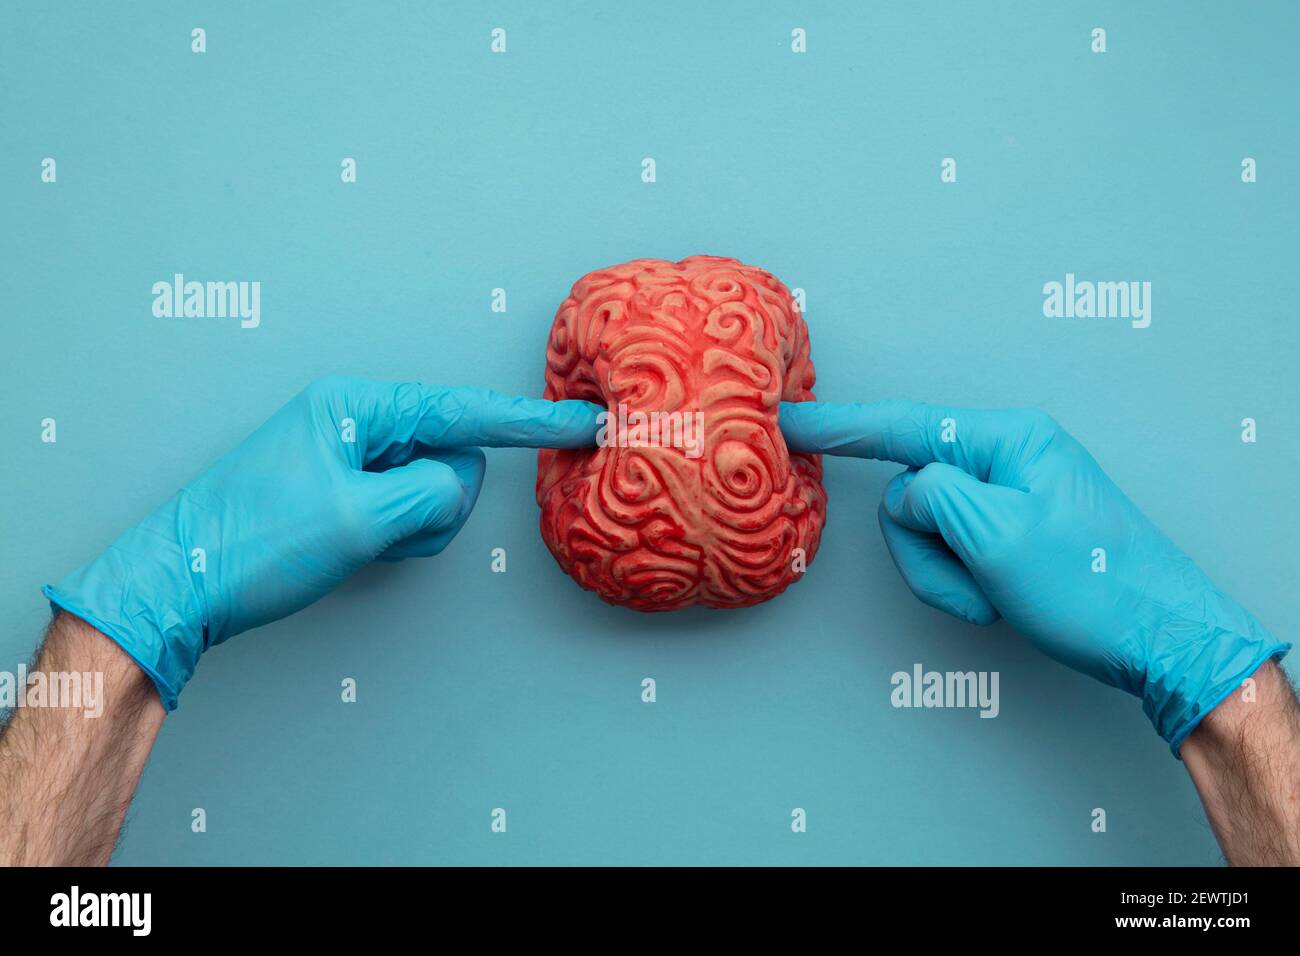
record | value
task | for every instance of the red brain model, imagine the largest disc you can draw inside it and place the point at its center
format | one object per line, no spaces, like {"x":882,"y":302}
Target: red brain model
{"x":660,"y":528}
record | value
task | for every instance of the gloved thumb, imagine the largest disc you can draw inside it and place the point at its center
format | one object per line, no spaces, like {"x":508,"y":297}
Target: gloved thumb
{"x":970,"y":515}
{"x":424,"y":496}
{"x":469,"y":464}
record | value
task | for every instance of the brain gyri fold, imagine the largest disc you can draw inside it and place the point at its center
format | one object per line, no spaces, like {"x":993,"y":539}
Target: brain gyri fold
{"x":692,"y":497}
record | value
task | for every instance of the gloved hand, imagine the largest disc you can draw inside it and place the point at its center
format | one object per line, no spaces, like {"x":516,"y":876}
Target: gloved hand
{"x":1003,"y":513}
{"x":346,"y":472}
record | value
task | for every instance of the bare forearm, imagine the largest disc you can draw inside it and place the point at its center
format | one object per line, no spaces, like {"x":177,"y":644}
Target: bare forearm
{"x":1245,"y":761}
{"x":67,"y":777}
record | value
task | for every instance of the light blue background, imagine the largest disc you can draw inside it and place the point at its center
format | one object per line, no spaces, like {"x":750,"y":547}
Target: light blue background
{"x":480,"y":690}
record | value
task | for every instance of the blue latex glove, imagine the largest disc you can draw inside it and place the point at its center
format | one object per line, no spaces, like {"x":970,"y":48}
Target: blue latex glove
{"x":297,"y":508}
{"x":1004,"y":519}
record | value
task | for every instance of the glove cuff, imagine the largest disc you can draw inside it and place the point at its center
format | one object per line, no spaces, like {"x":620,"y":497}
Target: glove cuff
{"x":1201,"y":671}
{"x":143,"y":652}
{"x":141,"y":593}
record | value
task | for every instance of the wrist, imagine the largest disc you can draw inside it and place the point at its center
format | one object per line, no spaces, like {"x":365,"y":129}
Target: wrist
{"x":74,"y":646}
{"x":1243,"y":760}
{"x":70,"y":764}
{"x":1243,"y":714}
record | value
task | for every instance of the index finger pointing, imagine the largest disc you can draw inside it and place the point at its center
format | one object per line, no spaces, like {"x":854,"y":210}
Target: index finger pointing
{"x":455,"y":417}
{"x":911,"y":433}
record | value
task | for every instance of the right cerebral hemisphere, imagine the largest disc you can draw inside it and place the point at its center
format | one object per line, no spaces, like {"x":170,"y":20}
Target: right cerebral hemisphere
{"x":729,"y":523}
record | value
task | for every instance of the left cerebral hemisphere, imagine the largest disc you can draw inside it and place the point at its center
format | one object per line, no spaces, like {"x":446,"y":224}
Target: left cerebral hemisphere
{"x":692,"y":498}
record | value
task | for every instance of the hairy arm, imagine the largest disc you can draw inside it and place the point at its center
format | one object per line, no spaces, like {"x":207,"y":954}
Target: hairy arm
{"x":66,"y":778}
{"x":1245,"y":761}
